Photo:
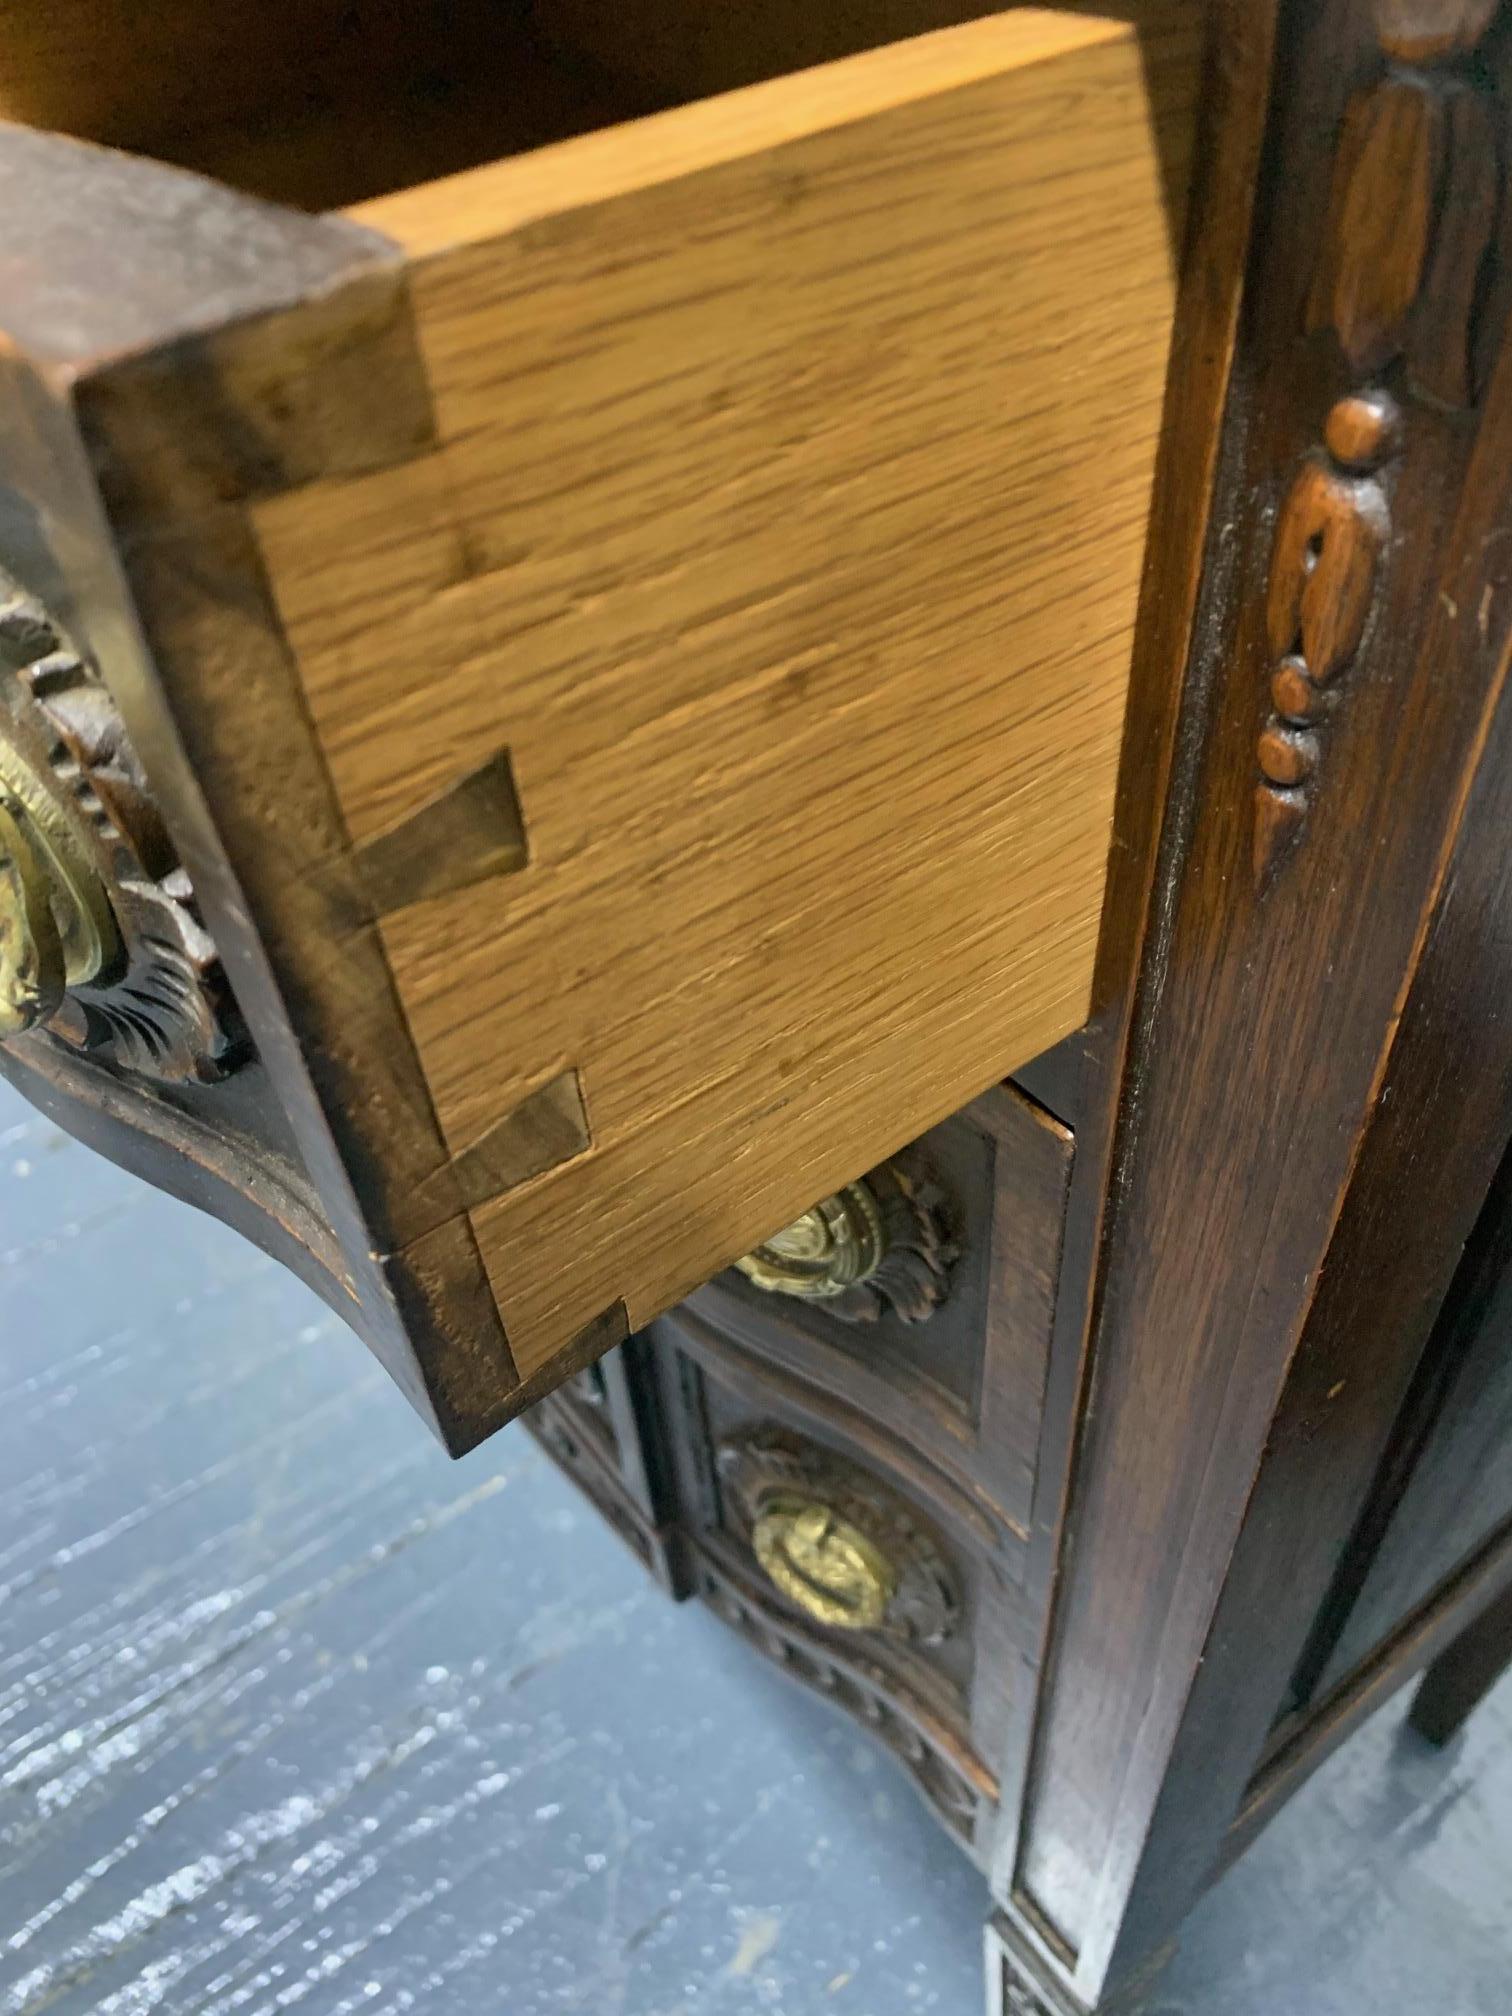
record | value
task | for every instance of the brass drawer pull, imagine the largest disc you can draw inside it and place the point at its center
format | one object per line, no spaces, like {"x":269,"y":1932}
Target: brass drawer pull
{"x":101,"y":946}
{"x":824,"y":1564}
{"x":874,"y":1248}
{"x":838,"y":1543}
{"x":837,"y":1244}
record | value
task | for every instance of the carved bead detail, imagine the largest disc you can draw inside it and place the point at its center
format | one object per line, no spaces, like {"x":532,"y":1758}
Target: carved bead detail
{"x":1293,"y":695}
{"x":1406,"y":281}
{"x":1361,"y":431}
{"x":1288,"y":757}
{"x":1330,"y":536}
{"x":876,"y":1699}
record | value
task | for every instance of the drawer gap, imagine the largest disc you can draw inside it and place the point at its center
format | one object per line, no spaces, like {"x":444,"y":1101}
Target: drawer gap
{"x":321,"y":104}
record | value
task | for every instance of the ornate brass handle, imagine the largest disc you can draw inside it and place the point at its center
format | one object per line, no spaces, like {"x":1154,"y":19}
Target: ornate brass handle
{"x":101,"y":945}
{"x":824,"y":1564}
{"x":836,"y":1244}
{"x":878,"y":1247}
{"x":835,"y":1541}
{"x":57,"y":929}
{"x":31,"y":960}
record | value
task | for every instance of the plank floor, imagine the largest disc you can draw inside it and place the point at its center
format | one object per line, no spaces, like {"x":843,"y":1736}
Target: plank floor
{"x":296,"y":1715}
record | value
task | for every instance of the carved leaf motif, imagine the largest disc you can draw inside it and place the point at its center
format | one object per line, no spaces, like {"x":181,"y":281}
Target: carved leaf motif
{"x":879,"y":1248}
{"x":914,"y":1275}
{"x":766,"y":1467}
{"x":1380,"y":215}
{"x":1441,"y":344}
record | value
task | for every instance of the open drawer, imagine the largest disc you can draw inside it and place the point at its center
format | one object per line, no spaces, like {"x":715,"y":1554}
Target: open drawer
{"x":610,"y":662}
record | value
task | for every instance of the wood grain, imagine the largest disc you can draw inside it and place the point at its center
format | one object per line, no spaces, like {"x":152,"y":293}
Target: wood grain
{"x":1263,"y":1044}
{"x":1092,"y":1081}
{"x":139,"y":416}
{"x":784,"y":526}
{"x":1447,"y":1481}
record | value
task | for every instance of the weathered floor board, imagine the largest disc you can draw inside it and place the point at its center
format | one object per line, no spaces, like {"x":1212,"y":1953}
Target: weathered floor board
{"x":296,"y":1715}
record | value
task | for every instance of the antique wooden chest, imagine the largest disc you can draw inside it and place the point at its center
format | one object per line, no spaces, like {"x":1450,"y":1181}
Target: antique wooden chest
{"x":782,"y":732}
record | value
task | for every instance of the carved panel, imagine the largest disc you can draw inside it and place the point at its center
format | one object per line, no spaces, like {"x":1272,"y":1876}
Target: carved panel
{"x":1404,"y":282}
{"x":101,"y":944}
{"x":1019,"y":1999}
{"x":951,"y":1781}
{"x":963,"y":1390}
{"x":579,"y":1439}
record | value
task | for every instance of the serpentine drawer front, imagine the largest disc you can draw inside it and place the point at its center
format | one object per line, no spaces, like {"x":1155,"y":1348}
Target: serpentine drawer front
{"x":558,"y":716}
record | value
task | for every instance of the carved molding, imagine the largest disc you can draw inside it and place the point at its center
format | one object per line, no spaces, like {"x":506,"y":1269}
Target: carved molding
{"x":835,"y":1542}
{"x":1019,"y":1999}
{"x":580,"y":1441}
{"x":101,"y":944}
{"x":1403,"y":282}
{"x":871,"y":1697}
{"x":876,"y":1248}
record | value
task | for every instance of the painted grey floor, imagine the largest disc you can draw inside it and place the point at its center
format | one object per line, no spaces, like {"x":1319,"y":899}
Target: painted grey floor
{"x":296,"y":1715}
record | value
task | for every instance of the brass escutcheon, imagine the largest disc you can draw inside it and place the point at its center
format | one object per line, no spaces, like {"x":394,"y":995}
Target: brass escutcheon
{"x":824,"y":1564}
{"x":32,"y":975}
{"x":836,"y":1244}
{"x":102,"y":949}
{"x":57,"y":929}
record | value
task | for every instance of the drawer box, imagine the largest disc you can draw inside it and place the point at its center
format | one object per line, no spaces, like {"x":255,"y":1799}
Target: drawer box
{"x":629,"y":640}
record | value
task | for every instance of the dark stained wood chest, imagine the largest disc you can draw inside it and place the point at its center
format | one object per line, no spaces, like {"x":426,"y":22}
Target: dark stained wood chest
{"x":786,"y":738}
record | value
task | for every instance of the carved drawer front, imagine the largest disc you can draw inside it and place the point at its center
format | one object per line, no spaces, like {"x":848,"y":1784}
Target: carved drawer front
{"x":595,"y":1427}
{"x":892,"y":1599}
{"x":921,"y":1298}
{"x":596,"y":682}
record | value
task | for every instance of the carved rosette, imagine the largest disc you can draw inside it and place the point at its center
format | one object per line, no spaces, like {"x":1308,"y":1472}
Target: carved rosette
{"x":1404,"y":281}
{"x":876,"y":1248}
{"x":834,"y":1542}
{"x":101,"y":946}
